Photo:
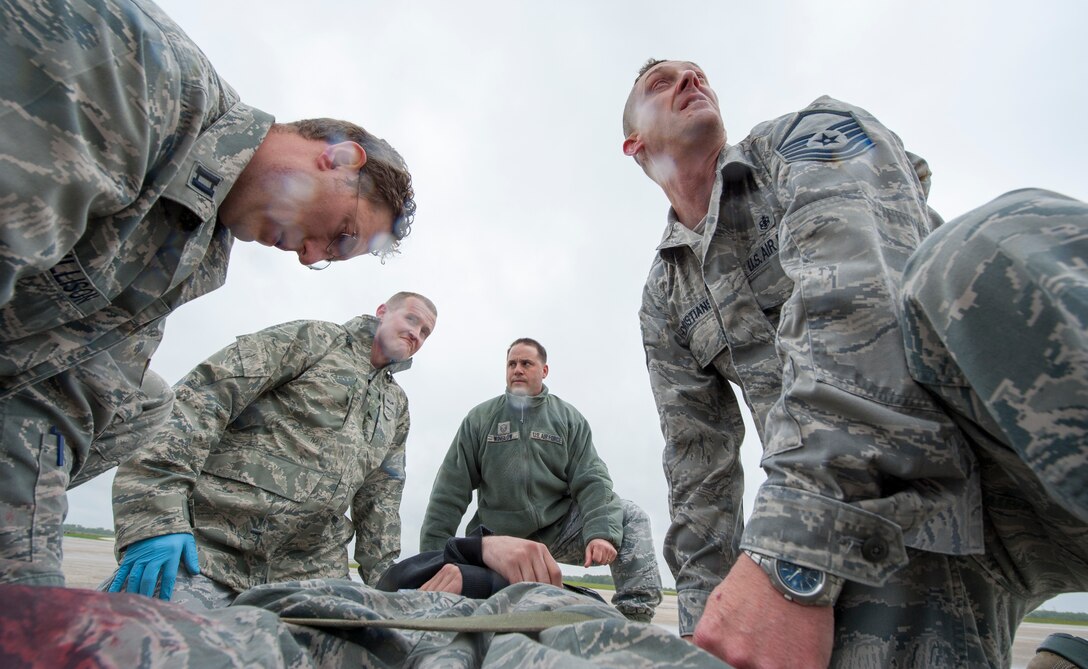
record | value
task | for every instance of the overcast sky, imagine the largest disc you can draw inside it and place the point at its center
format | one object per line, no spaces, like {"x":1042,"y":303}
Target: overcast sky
{"x":532,"y":222}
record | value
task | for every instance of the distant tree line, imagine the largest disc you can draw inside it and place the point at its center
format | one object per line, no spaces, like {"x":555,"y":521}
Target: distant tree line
{"x":91,"y":531}
{"x":595,"y":579}
{"x":601,"y":582}
{"x":1069,"y":617}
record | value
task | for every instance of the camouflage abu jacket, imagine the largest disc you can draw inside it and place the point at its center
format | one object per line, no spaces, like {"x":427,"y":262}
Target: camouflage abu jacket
{"x":791,"y":292}
{"x":530,"y":458}
{"x":108,"y":221}
{"x":272,"y":440}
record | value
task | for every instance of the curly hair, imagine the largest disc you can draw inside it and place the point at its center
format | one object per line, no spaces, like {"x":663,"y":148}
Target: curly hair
{"x":384,"y":179}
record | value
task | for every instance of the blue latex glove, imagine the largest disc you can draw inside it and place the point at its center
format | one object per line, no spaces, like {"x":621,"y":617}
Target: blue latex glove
{"x":148,"y":560}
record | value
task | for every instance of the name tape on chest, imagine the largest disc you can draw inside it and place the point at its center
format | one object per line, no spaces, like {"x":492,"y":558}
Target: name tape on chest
{"x":764,"y":252}
{"x":544,"y":436}
{"x":71,"y":278}
{"x":343,"y":379}
{"x":693,"y":316}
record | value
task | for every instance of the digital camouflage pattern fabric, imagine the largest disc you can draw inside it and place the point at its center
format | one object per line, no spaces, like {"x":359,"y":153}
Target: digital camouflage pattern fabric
{"x":790,"y":292}
{"x":119,"y":141}
{"x":606,"y":641}
{"x":993,"y":325}
{"x":272,"y":442}
{"x":996,"y":324}
{"x":936,"y":501}
{"x":70,"y":627}
{"x":62,"y":627}
{"x":634,"y":571}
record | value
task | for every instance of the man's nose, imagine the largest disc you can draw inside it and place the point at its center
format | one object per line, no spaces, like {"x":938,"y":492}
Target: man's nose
{"x":311,"y":252}
{"x":687,"y":78}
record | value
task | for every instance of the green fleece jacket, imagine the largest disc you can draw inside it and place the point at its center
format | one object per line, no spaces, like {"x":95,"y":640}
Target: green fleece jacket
{"x":530,"y":458}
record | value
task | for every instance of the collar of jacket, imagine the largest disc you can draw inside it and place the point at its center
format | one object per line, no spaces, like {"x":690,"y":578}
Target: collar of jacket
{"x":362,"y":329}
{"x":527,"y":401}
{"x":216,"y":159}
{"x":732,"y":164}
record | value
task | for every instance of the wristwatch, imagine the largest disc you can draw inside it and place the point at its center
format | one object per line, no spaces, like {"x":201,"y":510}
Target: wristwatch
{"x":803,"y":585}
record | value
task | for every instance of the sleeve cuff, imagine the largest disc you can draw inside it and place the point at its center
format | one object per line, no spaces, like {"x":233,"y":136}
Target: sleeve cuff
{"x":825,"y":534}
{"x":466,"y":550}
{"x":690,"y":605}
{"x":163,"y":514}
{"x":480,"y":582}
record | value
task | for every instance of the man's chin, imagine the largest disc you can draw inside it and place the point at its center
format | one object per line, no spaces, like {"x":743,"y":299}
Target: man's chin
{"x":518,"y":390}
{"x":395,"y":353}
{"x":242,"y":233}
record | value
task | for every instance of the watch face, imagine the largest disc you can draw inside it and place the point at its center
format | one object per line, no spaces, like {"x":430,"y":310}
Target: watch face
{"x":801,"y":580}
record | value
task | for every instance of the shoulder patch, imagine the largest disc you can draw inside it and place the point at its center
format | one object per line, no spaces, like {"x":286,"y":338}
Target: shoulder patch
{"x":824,"y":136}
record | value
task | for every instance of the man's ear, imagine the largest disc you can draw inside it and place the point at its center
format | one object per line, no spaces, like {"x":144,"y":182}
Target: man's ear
{"x":342,"y":154}
{"x":545,"y":370}
{"x":380,"y":313}
{"x":632,"y":145}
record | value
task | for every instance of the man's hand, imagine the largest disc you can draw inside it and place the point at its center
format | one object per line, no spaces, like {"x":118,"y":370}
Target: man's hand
{"x":149,"y":559}
{"x":751,"y":625}
{"x":600,"y":551}
{"x":448,"y":579}
{"x":519,"y":560}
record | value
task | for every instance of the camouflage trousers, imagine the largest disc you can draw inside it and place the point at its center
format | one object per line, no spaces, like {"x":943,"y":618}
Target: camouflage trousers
{"x":634,"y":571}
{"x":59,"y":433}
{"x":996,"y":326}
{"x":61,"y":627}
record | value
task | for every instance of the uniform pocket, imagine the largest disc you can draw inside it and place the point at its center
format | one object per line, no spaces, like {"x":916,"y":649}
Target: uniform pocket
{"x":849,"y":260}
{"x":32,"y":498}
{"x":707,"y":341}
{"x":270,"y":473}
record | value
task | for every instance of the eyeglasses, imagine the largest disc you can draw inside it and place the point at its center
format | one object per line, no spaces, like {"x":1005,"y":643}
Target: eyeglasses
{"x":339,"y":248}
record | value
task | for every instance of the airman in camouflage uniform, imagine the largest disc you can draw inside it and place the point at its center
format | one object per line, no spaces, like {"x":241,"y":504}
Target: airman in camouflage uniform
{"x":530,"y":455}
{"x":1014,"y":267}
{"x":995,"y":324}
{"x":129,"y":167}
{"x":780,"y":271}
{"x":271,"y":441}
